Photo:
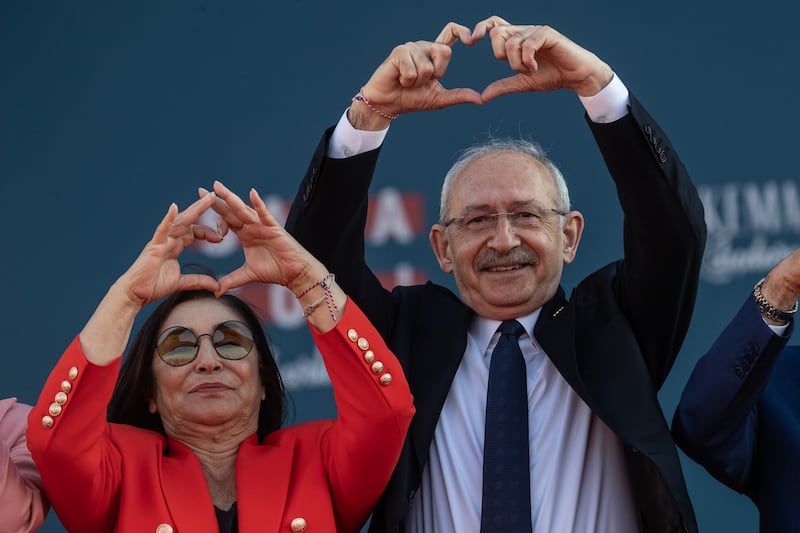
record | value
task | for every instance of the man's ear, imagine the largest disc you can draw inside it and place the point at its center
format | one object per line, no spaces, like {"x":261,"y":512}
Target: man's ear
{"x":441,"y":247}
{"x":572,"y":230}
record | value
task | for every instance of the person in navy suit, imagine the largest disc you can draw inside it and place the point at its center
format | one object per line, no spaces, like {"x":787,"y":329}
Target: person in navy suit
{"x":601,"y":457}
{"x":739,"y":415}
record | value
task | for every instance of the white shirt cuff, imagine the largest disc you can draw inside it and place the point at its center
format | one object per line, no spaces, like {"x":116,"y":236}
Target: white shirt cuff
{"x":610,"y":104}
{"x":777,"y":330}
{"x":347,"y":141}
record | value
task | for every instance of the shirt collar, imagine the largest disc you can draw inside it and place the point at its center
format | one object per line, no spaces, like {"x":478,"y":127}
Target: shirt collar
{"x":483,"y":329}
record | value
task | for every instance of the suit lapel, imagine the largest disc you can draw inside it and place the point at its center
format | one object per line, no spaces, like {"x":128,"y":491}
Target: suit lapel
{"x":186,"y":491}
{"x":263,"y":480}
{"x":555,"y":333}
{"x":440,"y":343}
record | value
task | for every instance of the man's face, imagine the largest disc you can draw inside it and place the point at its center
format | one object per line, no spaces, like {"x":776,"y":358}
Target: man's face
{"x":505,"y":269}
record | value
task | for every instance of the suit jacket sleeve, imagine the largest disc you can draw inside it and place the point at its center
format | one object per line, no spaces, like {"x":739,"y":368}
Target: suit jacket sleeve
{"x":22,"y":502}
{"x":664,"y":235}
{"x":69,"y":439}
{"x":716,"y":420}
{"x":328,"y":217}
{"x":374,"y":407}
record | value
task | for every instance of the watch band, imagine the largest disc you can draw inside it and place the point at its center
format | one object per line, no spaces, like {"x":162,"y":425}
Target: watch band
{"x":768,"y":310}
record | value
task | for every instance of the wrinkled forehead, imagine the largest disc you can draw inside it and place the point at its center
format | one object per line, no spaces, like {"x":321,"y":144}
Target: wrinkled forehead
{"x":501,"y":179}
{"x":200,"y":315}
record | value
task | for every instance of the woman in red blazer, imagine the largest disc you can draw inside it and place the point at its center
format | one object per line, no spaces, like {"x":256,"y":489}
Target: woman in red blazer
{"x":193,"y":441}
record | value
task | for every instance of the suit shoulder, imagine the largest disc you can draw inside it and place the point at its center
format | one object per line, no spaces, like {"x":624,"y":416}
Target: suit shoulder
{"x":425,"y":293}
{"x":602,"y":277}
{"x":299,"y":434}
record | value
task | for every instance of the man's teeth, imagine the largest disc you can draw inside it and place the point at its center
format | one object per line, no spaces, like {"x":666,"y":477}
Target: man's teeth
{"x":504,"y":268}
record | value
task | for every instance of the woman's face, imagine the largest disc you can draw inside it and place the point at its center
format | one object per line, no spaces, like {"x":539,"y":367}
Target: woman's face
{"x":210,"y":393}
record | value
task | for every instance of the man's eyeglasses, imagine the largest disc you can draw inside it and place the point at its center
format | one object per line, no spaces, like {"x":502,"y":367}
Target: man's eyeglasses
{"x":178,"y":346}
{"x":528,"y":219}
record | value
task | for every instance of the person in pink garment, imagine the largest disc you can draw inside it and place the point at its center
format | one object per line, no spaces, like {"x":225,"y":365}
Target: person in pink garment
{"x":23,"y":505}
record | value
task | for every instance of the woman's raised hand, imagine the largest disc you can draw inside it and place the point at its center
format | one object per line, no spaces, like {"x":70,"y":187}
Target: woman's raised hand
{"x":271,"y":254}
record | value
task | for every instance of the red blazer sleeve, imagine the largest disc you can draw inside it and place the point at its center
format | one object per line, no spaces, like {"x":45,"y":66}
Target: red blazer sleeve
{"x":67,"y":426}
{"x":375,"y":408}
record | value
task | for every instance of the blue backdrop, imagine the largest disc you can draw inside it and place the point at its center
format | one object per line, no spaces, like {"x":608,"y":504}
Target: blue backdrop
{"x":109,"y":111}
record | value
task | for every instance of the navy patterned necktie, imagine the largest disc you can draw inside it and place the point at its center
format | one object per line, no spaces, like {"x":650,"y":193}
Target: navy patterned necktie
{"x":506,"y":465}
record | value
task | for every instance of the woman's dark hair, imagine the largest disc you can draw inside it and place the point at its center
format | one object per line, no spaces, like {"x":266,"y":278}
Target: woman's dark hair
{"x":135,"y":386}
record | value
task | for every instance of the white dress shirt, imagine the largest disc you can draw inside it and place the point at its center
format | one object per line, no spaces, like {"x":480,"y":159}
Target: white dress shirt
{"x":579,"y":478}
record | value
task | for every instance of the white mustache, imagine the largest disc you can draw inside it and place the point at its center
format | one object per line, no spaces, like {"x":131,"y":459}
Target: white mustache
{"x":517,"y":256}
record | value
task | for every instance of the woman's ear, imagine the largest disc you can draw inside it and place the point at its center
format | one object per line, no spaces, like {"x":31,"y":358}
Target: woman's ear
{"x":151,"y":404}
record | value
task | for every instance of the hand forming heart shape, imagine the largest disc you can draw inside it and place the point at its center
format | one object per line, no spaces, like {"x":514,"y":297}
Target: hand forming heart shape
{"x":543,"y":59}
{"x":272,"y":255}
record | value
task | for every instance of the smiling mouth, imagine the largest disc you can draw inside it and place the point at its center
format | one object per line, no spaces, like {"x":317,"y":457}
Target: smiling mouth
{"x":505,"y":268}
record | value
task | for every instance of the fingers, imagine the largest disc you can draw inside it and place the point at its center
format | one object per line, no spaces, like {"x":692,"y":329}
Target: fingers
{"x":454,"y":32}
{"x":200,"y":232}
{"x":238,"y":210}
{"x":420,"y":65}
{"x":439,"y":57}
{"x":517,"y":44}
{"x":227,"y":219}
{"x":546,"y":61}
{"x":183,"y":221}
{"x":420,"y":62}
{"x":261,"y":209}
{"x":520,"y":51}
{"x":486,"y":26}
{"x":233,"y":210}
{"x":164,"y":227}
{"x":231,"y":198}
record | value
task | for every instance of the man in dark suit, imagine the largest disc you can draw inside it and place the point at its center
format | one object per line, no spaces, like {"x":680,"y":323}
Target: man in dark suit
{"x":601,"y":457}
{"x":739,"y":416}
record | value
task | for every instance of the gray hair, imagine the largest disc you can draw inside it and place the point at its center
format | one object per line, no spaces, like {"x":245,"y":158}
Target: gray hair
{"x":522,"y":146}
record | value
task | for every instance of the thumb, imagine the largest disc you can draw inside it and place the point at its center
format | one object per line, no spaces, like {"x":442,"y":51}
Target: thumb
{"x":513,"y":84}
{"x":232,"y":280}
{"x":451,"y":97}
{"x":189,"y":282}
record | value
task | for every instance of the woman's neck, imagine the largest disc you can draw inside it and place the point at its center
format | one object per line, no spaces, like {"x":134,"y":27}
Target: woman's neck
{"x":220,"y":474}
{"x":217,"y":456}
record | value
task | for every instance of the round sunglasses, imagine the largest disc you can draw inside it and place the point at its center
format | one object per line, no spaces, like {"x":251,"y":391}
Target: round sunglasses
{"x":178,"y":345}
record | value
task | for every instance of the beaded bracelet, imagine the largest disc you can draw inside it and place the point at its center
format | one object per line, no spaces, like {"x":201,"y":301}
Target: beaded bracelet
{"x":363,"y":99}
